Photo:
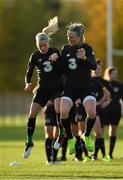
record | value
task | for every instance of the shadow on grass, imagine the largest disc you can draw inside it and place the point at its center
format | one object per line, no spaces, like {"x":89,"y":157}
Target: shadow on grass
{"x":19,"y":133}
{"x":63,"y":177}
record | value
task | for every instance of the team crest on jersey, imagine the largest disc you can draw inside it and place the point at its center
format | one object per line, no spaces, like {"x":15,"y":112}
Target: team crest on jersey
{"x":96,"y":94}
{"x":39,"y":60}
{"x":68,"y":55}
{"x":116,"y":89}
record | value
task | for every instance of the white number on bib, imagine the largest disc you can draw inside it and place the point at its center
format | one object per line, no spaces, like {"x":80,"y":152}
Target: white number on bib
{"x":72,"y":64}
{"x":48,"y":67}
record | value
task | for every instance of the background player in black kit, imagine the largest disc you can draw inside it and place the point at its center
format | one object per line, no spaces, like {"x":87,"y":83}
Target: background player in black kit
{"x":113,"y":110}
{"x":99,"y":86}
{"x":51,"y":133}
{"x":78,"y":61}
{"x":49,"y":82}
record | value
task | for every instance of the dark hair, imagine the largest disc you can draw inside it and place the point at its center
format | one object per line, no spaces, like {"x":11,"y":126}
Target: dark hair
{"x":98,"y":61}
{"x":108,"y":71}
{"x":111,"y":69}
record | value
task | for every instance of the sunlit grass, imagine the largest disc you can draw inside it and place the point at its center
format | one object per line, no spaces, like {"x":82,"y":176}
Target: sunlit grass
{"x":12,"y":137}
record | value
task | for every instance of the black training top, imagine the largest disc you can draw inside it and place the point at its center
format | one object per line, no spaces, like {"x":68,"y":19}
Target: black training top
{"x":47,"y":72}
{"x":104,"y":83}
{"x":78,"y":71}
{"x":117,"y":91}
{"x":97,"y":88}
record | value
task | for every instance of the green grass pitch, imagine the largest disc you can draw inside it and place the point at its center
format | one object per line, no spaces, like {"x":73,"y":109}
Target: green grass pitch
{"x":12,"y":137}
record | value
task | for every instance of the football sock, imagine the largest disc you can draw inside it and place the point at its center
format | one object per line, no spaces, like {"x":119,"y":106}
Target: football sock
{"x":78,"y":147}
{"x":64,"y":146}
{"x":97,"y":146}
{"x":89,"y":125}
{"x":54,"y":152}
{"x":112,"y":145}
{"x":102,"y":146}
{"x":84,"y":148}
{"x":67,"y":126}
{"x":58,"y":118}
{"x":30,"y":129}
{"x":48,"y":148}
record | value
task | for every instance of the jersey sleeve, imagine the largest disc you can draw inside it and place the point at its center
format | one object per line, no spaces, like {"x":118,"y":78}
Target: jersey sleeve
{"x":30,"y":69}
{"x":91,"y":62}
{"x":57,"y":64}
{"x":121,"y":90}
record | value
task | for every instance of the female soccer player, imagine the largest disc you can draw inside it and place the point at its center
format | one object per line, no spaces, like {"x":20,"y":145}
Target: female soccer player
{"x":102,"y":96}
{"x":46,"y":59}
{"x":78,"y":61}
{"x":113,"y":110}
{"x":51,"y":133}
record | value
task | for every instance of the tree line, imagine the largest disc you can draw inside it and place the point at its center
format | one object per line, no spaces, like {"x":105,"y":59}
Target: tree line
{"x":21,"y":20}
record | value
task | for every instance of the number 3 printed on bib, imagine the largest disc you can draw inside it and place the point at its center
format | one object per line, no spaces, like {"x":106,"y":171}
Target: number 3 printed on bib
{"x":72,"y":65}
{"x":48,"y":67}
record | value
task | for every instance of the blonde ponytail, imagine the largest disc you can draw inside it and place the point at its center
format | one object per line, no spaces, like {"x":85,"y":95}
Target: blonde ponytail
{"x":48,"y":31}
{"x":52,"y":26}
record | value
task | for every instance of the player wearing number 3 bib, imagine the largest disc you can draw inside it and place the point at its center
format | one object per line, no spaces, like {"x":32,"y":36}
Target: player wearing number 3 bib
{"x":78,"y":61}
{"x":49,"y":85}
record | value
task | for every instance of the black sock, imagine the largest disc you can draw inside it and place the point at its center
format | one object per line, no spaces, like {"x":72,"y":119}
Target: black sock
{"x":30,"y":129}
{"x":64,"y":147}
{"x":112,"y":145}
{"x":61,"y":128}
{"x":48,"y":148}
{"x":97,"y":146}
{"x":58,"y":118}
{"x":84,"y":148}
{"x":89,"y":125}
{"x":102,"y":147}
{"x":67,"y":127}
{"x":54,"y":152}
{"x":78,"y":147}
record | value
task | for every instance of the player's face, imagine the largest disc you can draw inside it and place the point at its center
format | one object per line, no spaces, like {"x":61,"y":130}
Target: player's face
{"x":43,"y":46}
{"x":98,"y":71}
{"x":73,"y":39}
{"x":114,"y":75}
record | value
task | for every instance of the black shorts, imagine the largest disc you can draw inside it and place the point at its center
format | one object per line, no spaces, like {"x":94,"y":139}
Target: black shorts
{"x":50,"y":116}
{"x":77,"y":114}
{"x":112,"y":115}
{"x":75,"y":94}
{"x":42,"y":96}
{"x":101,"y":114}
{"x":80,"y":113}
{"x":72,"y":115}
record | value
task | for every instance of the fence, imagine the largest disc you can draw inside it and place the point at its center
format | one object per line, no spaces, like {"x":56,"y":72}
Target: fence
{"x":14,"y":104}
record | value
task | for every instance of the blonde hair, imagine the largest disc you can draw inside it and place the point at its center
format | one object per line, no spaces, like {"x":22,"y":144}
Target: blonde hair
{"x":48,"y":30}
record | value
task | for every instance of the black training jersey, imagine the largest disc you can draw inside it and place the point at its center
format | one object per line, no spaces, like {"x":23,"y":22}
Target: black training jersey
{"x":97,"y":88}
{"x":104,"y":82}
{"x":78,"y":71}
{"x":117,"y":91}
{"x":48,"y":72}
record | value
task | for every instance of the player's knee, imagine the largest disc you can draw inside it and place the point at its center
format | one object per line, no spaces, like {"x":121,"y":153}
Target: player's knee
{"x":98,"y":135}
{"x":91,"y":114}
{"x":32,"y":115}
{"x":48,"y":135}
{"x":57,"y":110}
{"x":64,"y":114}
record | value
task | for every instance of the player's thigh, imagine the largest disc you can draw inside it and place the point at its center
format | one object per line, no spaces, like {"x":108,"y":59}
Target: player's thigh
{"x":48,"y":131}
{"x":34,"y":109}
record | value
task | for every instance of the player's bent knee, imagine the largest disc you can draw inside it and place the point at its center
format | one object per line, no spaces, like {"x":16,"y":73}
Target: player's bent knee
{"x":57,"y":110}
{"x":91,"y":115}
{"x":64,"y":114}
